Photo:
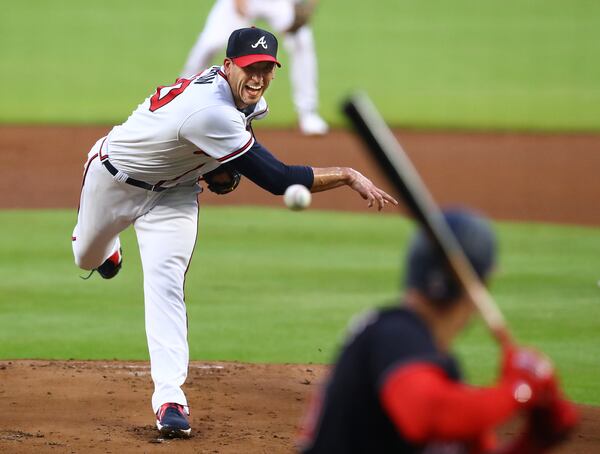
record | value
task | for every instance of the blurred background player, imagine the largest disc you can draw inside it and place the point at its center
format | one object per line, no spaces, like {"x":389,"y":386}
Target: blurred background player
{"x":396,"y":388}
{"x":289,"y":17}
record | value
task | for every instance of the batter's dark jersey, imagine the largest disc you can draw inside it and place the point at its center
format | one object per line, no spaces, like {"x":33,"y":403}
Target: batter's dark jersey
{"x":352,"y":419}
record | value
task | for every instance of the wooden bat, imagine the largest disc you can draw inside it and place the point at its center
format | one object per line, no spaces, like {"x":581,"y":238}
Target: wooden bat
{"x":394,"y":161}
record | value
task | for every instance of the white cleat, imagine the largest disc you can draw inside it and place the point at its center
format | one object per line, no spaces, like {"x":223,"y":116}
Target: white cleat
{"x":311,"y":124}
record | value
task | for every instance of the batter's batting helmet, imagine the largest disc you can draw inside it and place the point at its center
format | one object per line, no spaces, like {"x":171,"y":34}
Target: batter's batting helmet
{"x":427,"y":271}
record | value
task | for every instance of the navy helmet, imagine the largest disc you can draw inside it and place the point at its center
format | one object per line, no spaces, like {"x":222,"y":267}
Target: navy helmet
{"x":428,"y":272}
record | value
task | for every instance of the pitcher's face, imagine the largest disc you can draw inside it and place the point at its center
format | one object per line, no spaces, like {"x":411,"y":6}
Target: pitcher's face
{"x":249,"y":83}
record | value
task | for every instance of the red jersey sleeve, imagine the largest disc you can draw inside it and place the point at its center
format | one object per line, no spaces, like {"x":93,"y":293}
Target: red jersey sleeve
{"x":424,"y":405}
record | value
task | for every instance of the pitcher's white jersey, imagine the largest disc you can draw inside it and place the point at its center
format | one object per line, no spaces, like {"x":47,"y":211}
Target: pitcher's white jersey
{"x":182,"y":131}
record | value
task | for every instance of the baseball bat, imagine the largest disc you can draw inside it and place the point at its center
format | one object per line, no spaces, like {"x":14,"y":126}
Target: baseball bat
{"x":398,"y":168}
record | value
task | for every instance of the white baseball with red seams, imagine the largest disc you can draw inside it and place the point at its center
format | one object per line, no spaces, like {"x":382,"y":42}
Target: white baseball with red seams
{"x":297,"y":197}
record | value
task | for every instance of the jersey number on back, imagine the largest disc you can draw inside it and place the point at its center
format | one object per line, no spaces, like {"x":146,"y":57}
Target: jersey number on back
{"x":164,"y":95}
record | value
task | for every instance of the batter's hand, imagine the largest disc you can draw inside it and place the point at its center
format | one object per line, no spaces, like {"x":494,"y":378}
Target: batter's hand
{"x":529,"y":374}
{"x":369,"y":191}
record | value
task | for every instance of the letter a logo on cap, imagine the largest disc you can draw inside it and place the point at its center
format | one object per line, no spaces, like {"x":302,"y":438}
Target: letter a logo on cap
{"x":260,"y":42}
{"x":244,"y":47}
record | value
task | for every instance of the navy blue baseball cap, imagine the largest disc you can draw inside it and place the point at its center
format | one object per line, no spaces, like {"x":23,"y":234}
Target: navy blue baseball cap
{"x":251,"y":45}
{"x":428,"y":272}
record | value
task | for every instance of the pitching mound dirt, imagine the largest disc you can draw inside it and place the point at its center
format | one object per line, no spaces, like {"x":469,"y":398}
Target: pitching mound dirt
{"x":103,"y":407}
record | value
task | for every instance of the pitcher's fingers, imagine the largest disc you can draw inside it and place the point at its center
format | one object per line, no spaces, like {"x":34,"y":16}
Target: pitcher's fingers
{"x":388,"y":197}
{"x":380,"y":200}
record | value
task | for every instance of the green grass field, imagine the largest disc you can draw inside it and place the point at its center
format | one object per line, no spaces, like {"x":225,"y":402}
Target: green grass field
{"x":528,"y":65}
{"x":269,"y":285}
{"x":274,"y":286}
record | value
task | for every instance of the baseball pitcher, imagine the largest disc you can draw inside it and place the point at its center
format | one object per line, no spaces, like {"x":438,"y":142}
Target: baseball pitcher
{"x":146,"y":173}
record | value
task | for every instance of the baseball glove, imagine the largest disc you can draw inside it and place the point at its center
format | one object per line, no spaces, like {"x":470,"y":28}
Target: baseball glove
{"x":223,"y":179}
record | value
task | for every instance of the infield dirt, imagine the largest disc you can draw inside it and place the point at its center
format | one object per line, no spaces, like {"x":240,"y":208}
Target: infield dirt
{"x":103,"y":407}
{"x":536,"y":177}
{"x":74,"y":406}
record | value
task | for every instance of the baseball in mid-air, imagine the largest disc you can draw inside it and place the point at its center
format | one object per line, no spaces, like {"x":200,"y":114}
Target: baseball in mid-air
{"x":297,"y":197}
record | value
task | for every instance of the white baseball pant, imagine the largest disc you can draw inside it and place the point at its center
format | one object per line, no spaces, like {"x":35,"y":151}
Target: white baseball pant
{"x":166,"y":227}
